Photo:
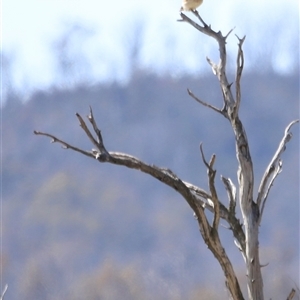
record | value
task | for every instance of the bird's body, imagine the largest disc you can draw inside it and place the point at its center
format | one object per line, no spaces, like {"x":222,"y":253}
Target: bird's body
{"x":188,"y":5}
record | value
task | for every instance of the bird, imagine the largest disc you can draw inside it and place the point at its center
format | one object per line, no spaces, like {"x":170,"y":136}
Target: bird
{"x":190,"y":5}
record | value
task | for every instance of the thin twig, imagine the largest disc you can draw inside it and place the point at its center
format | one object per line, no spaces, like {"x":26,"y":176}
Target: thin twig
{"x":65,"y":144}
{"x":4,"y":291}
{"x":291,"y":295}
{"x":227,"y":35}
{"x":95,"y":127}
{"x":211,"y":173}
{"x":204,"y":103}
{"x":203,"y":157}
{"x":87,"y":131}
{"x":239,"y":70}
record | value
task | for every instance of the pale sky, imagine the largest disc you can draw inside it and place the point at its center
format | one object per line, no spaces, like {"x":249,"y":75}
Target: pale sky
{"x":29,"y":29}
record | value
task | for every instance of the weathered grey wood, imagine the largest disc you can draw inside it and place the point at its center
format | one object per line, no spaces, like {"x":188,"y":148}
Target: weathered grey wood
{"x":251,"y":210}
{"x":3,"y":292}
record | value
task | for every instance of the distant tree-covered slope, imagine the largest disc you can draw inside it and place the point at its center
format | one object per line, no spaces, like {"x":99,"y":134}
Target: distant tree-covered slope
{"x":72,"y":227}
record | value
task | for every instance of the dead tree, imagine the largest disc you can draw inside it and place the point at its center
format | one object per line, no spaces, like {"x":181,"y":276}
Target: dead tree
{"x":246,"y":233}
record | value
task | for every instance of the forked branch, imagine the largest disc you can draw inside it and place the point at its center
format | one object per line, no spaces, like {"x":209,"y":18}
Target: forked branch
{"x":211,"y":173}
{"x":231,"y":193}
{"x":197,"y":198}
{"x":218,"y":69}
{"x":230,"y":105}
{"x":273,"y":169}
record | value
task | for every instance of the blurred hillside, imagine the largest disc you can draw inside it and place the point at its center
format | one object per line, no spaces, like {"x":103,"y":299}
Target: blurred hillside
{"x":77,"y":229}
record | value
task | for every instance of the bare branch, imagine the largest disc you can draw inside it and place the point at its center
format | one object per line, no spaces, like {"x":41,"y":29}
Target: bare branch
{"x":200,"y":192}
{"x":276,"y":173}
{"x":193,"y":195}
{"x":214,"y":67}
{"x":231,"y":192}
{"x":203,"y":157}
{"x":205,"y":201}
{"x":211,"y":173}
{"x":274,"y":167}
{"x":227,"y":35}
{"x":291,"y":295}
{"x":239,"y":70}
{"x":196,"y":13}
{"x":205,"y":29}
{"x":220,"y":68}
{"x":86,"y":130}
{"x":204,"y":103}
{"x":103,"y":152}
{"x":201,"y":196}
{"x":238,"y":245}
{"x":65,"y":144}
{"x":236,"y":227}
{"x":4,"y":291}
{"x":164,"y":175}
{"x":264,"y":265}
{"x":95,"y":127}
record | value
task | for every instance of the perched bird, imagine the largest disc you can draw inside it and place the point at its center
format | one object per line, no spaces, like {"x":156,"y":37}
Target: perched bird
{"x":190,"y":4}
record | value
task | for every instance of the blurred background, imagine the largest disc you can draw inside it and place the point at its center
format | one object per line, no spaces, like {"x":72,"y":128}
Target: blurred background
{"x":76,"y":229}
